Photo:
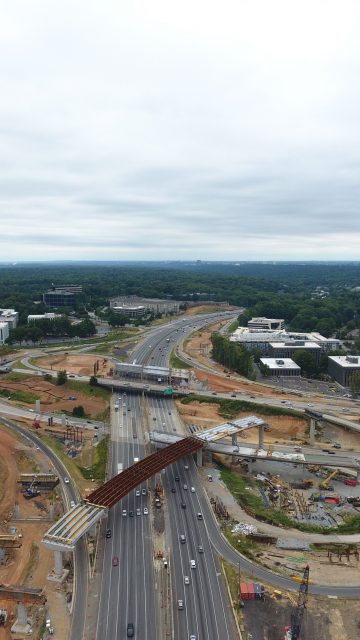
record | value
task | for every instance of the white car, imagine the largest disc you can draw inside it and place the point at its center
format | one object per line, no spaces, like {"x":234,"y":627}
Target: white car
{"x":66,"y":480}
{"x":192,"y":564}
{"x":186,"y":580}
{"x":192,"y":489}
{"x":72,"y":504}
{"x":124,"y":512}
{"x":146,"y":511}
{"x":137,"y":493}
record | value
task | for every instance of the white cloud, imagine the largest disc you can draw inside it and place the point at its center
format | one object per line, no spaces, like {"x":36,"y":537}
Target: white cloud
{"x":173,"y":130}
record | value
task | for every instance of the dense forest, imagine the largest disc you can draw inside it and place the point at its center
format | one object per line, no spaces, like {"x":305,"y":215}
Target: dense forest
{"x":320,"y":297}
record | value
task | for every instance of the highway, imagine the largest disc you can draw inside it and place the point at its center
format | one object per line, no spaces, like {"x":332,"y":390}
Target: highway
{"x":128,"y":589}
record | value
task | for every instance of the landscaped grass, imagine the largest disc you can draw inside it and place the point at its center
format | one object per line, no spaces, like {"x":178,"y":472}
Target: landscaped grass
{"x":20,"y":396}
{"x":177,"y":363}
{"x":230,"y":408}
{"x":14,"y":375}
{"x":86,"y":389}
{"x":98,"y":468}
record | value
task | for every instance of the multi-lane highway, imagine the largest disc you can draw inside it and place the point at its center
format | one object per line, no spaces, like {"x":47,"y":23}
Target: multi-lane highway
{"x":128,"y":582}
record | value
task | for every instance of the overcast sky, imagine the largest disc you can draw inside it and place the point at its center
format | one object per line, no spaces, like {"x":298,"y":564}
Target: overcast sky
{"x":160,"y":129}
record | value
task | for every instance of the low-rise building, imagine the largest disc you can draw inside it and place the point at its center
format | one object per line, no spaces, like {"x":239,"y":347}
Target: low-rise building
{"x":284,"y":367}
{"x":4,"y":332}
{"x":130,"y":311}
{"x":151,"y":305}
{"x":34,"y":318}
{"x":266,"y":323}
{"x":288,"y":349}
{"x":10,"y":316}
{"x":261,"y":339}
{"x":341,"y":368}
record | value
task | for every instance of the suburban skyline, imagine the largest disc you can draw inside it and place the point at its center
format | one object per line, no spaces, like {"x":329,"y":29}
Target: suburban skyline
{"x":164,"y":131}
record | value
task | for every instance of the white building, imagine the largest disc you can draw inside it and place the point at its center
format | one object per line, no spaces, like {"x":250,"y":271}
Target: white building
{"x":10,"y":316}
{"x":281,"y":366}
{"x":4,"y":332}
{"x":262,"y":338}
{"x":341,"y":368}
{"x":33,"y":319}
{"x":266,"y":323}
{"x":130,"y":311}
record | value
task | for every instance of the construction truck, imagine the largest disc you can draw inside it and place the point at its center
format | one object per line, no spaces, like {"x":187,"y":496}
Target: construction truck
{"x":302,"y":484}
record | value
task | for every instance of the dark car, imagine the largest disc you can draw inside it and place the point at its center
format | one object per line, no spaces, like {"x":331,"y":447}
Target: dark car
{"x":177,"y":478}
{"x":183,"y":505}
{"x":108,"y":533}
{"x":115,"y":561}
{"x":130,"y":630}
{"x":173,"y":490}
{"x":131,"y":514}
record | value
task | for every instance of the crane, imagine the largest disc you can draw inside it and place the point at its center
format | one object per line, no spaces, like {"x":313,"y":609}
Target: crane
{"x":324,"y":484}
{"x":293,"y":631}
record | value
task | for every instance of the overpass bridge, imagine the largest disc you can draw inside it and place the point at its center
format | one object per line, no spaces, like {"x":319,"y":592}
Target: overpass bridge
{"x":64,"y":534}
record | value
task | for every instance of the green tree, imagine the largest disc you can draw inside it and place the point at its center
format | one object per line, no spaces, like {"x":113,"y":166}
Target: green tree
{"x":354,"y":382}
{"x":93,"y":381}
{"x":61,"y":377}
{"x":79,"y":412}
{"x":306,"y":362}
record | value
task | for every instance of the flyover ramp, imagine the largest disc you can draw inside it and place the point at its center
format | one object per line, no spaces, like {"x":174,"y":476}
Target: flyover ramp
{"x":65,"y":533}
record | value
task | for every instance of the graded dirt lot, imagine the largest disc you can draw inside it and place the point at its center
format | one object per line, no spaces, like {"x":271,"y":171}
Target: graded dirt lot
{"x":56,"y":398}
{"x":30,"y":564}
{"x":206,"y":415}
{"x":80,"y":364}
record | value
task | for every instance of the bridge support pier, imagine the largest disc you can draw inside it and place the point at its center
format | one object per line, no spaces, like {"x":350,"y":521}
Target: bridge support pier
{"x":199,"y":458}
{"x":21,"y":625}
{"x":59,"y":566}
{"x":312,"y":431}
{"x":261,"y":436}
{"x":234,"y":441}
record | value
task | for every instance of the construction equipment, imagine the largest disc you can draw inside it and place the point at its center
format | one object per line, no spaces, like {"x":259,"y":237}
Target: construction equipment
{"x":31,"y":491}
{"x":325,"y":483}
{"x":293,"y":631}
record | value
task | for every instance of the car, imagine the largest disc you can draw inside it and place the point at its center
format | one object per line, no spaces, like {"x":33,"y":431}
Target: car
{"x":130,"y":630}
{"x":326,"y":450}
{"x":72,"y":504}
{"x":185,"y":487}
{"x":186,"y":580}
{"x":309,"y":404}
{"x":71,"y":375}
{"x":124,"y":513}
{"x":337,"y":445}
{"x":183,"y":505}
{"x":182,"y":538}
{"x":332,"y":453}
{"x":108,"y":533}
{"x":199,"y":516}
{"x":210,"y":478}
{"x":214,"y":393}
{"x":66,"y":480}
{"x":180,"y":604}
{"x":192,"y":489}
{"x":192,"y":564}
{"x":72,"y":398}
{"x":186,"y":467}
{"x":144,"y":492}
{"x":115,"y":561}
{"x":131,"y":514}
{"x":173,"y":490}
{"x":200,"y":549}
{"x":138,"y":511}
{"x":137,"y":493}
{"x":192,"y":636}
{"x":297,"y":448}
{"x":177,"y":479}
{"x":233,"y":395}
{"x":129,"y":409}
{"x":146,"y":511}
{"x":169,"y":413}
